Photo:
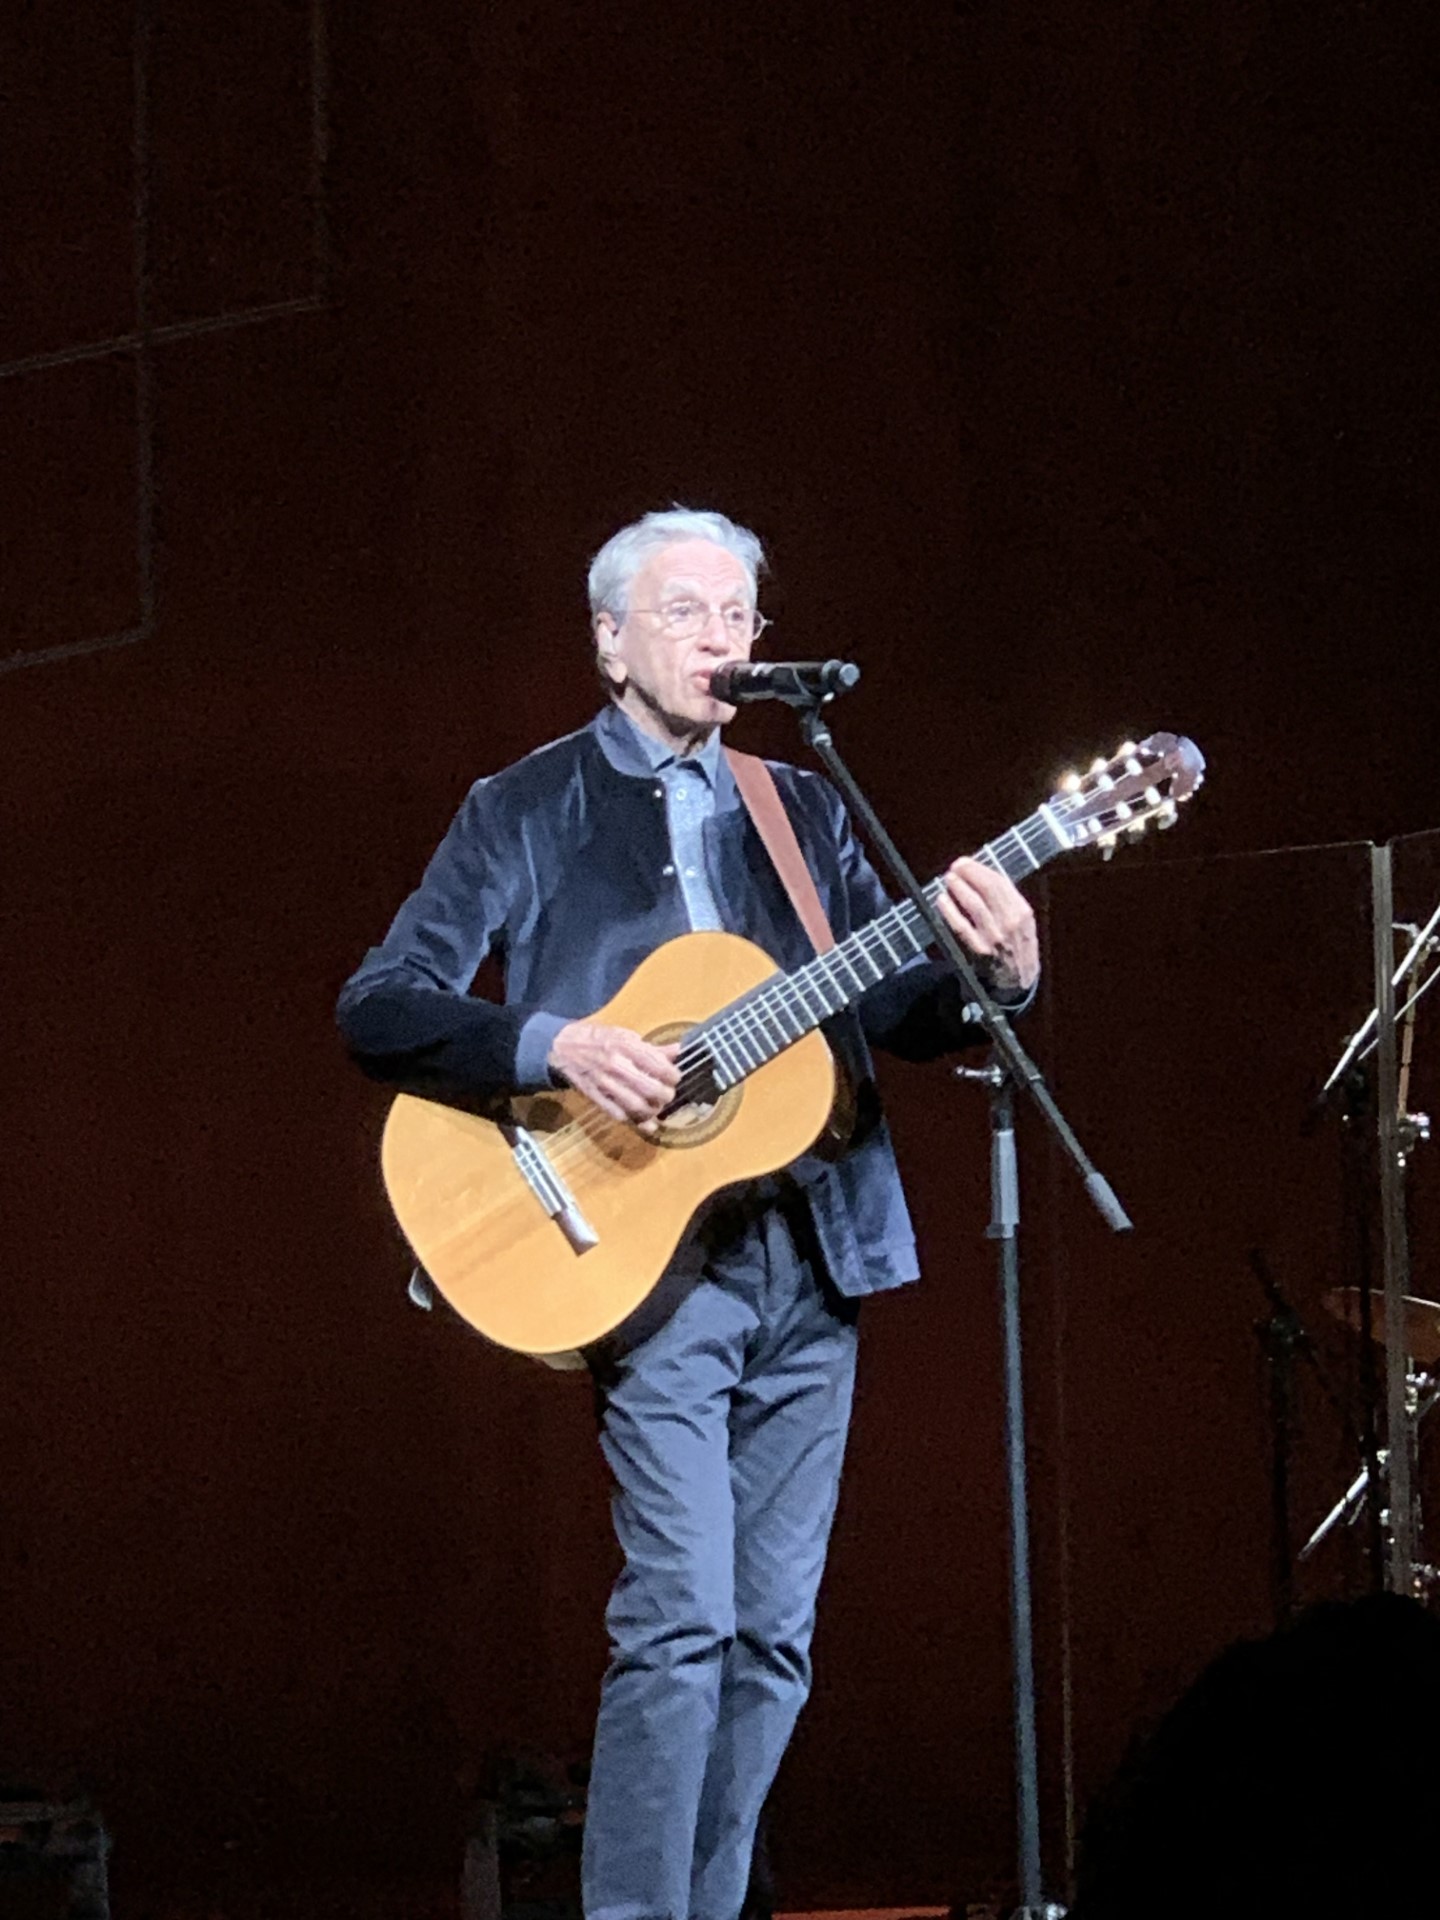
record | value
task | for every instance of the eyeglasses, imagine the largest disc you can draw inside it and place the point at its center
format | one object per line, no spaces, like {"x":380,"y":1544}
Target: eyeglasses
{"x":688,"y":619}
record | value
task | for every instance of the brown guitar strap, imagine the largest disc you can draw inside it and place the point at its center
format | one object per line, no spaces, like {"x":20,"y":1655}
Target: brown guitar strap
{"x":772,"y":823}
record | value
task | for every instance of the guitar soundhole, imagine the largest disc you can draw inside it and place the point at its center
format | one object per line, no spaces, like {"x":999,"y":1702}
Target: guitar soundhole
{"x":699,"y":1118}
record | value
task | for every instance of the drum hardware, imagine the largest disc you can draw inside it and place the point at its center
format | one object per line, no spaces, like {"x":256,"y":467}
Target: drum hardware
{"x":1385,"y":1488}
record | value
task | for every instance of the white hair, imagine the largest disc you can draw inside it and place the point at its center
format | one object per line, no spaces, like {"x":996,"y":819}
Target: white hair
{"x":625,"y":552}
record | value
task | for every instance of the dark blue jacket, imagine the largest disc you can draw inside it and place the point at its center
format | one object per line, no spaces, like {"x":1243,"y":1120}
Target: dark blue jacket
{"x":557,"y":866}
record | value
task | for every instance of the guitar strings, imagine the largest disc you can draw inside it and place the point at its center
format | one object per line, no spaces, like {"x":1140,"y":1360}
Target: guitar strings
{"x":736,"y":1033}
{"x":736,"y":1030}
{"x":757,"y":1022}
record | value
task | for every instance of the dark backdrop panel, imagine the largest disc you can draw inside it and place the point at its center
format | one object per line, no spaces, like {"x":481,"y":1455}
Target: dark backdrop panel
{"x":68,"y":547}
{"x":66,"y":176}
{"x":1071,"y":368}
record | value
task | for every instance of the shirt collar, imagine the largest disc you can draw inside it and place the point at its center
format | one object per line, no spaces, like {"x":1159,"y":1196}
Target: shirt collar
{"x":629,"y":749}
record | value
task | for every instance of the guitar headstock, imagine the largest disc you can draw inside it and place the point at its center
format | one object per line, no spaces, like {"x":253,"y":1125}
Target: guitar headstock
{"x":1144,"y":781}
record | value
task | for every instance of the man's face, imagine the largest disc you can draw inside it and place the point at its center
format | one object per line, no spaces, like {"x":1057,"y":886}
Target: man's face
{"x":667,"y":678}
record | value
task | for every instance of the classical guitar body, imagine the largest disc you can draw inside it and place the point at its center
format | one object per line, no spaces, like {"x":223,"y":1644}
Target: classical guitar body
{"x":484,"y":1236}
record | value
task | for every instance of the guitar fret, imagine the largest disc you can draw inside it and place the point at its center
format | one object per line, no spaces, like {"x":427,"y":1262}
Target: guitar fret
{"x":845,"y":965}
{"x":709,"y":1061}
{"x":1046,"y":817}
{"x":994,"y":858}
{"x":908,"y":923}
{"x":785,"y":1010}
{"x":841,"y":957}
{"x":820,"y":978}
{"x":747,"y":1042}
{"x":864,"y":946}
{"x":723,"y":1055}
{"x":878,"y":929}
{"x":740,"y":1041}
{"x":800,"y":998}
{"x":1038,"y":833}
{"x":773,"y":1032}
{"x":836,"y":994}
{"x":875,"y":950}
{"x":913,"y":930}
{"x":804,"y":980}
{"x":1017,"y":834}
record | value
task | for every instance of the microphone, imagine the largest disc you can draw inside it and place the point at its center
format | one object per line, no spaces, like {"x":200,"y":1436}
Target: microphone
{"x":801,"y":683}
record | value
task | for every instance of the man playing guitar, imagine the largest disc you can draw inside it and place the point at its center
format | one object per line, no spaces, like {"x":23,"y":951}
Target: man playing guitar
{"x":725,"y":1403}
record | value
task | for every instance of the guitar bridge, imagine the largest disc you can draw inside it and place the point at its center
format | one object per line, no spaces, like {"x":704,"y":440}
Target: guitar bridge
{"x":550,"y":1190}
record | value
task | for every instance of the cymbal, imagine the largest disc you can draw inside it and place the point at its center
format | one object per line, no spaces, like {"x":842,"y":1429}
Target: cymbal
{"x":1422,"y":1320}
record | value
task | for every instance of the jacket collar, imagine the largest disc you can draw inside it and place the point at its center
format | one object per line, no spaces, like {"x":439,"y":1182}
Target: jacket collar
{"x":629,"y":749}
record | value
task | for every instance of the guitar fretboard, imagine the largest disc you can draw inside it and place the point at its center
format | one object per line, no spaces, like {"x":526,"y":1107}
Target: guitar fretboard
{"x":745,"y":1035}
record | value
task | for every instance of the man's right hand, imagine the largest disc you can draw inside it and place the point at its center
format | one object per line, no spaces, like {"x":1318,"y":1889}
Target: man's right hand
{"x":625,"y":1076}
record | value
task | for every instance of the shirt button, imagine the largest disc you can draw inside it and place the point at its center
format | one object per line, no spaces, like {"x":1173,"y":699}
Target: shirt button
{"x":659,"y":793}
{"x":689,"y":873}
{"x":667,"y":871}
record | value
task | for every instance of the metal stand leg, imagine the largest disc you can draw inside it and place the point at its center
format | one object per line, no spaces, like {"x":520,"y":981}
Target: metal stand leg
{"x":1004,"y":1230}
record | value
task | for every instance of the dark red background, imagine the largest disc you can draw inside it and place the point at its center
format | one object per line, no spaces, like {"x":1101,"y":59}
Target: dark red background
{"x":1076,"y":363}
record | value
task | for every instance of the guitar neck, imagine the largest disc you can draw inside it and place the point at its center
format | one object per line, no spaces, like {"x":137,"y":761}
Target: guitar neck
{"x":745,"y":1035}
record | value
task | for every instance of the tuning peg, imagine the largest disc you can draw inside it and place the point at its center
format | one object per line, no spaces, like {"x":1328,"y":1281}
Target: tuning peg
{"x":1168,"y":815}
{"x":1107,"y":846}
{"x":1123,"y":810}
{"x":1136,"y":829}
{"x":1098,"y":766}
{"x":1153,"y":798}
{"x":1127,"y":750}
{"x":1070,"y":783}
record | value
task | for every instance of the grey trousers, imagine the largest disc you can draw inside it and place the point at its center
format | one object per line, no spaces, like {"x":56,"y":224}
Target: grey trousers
{"x":724,"y":1431}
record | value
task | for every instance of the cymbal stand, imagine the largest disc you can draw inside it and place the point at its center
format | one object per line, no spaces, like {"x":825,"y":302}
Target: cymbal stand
{"x":1422,"y":1393}
{"x":1398,"y":1133}
{"x":1283,"y":1336}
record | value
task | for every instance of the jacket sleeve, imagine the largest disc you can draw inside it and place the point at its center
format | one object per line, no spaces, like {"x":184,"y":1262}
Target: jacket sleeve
{"x":406,"y":1013}
{"x":921,"y":1011}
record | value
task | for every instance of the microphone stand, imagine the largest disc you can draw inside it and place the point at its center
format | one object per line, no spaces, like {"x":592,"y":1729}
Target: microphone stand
{"x":1011,"y":1068}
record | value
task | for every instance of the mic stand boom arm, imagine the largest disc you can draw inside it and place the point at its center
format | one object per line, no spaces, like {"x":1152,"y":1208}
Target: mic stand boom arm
{"x":1011,"y":1067}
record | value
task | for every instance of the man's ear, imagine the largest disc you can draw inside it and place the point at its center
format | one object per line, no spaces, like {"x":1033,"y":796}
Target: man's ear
{"x":607,"y":640}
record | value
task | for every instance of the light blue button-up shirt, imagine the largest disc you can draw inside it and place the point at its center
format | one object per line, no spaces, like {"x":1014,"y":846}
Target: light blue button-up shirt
{"x":696,"y":786}
{"x":691,"y":783}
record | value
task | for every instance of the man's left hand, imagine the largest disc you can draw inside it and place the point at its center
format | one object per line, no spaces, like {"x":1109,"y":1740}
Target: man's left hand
{"x":992,"y":919}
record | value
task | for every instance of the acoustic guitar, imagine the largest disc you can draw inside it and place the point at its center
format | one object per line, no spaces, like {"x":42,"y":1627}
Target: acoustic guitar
{"x":547,"y":1223}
